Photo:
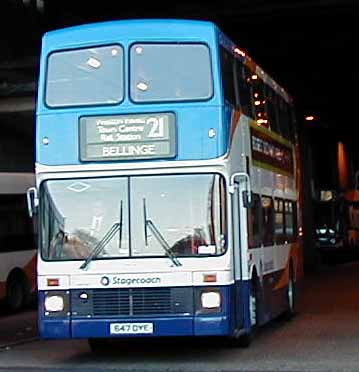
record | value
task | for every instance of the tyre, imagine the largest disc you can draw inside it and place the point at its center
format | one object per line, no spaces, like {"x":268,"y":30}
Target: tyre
{"x":17,"y":291}
{"x":290,"y":295}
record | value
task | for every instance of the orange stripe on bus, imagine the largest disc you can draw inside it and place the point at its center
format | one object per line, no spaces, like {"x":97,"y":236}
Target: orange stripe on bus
{"x":234,"y":124}
{"x":294,"y":255}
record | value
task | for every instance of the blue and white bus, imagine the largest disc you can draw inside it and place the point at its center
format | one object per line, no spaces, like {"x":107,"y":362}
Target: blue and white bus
{"x":167,"y":185}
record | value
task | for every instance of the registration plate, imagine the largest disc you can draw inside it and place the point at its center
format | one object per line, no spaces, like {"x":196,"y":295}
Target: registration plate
{"x":131,"y":328}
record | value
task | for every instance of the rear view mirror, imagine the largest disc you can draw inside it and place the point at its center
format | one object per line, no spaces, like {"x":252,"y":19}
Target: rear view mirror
{"x":32,"y":201}
{"x":247,"y":198}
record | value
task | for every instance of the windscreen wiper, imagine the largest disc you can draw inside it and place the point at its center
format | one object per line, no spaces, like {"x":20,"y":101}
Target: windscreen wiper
{"x":121,"y":223}
{"x":116,"y":227}
{"x":157,"y":234}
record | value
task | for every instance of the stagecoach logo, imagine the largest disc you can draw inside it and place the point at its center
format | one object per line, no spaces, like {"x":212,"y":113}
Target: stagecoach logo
{"x":128,"y":282}
{"x":105,"y":281}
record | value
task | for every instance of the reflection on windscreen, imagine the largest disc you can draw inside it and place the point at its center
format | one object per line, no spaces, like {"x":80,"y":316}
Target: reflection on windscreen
{"x":187,"y":210}
{"x":159,"y":73}
{"x":76,"y":215}
{"x":85,"y":77}
{"x":170,"y":72}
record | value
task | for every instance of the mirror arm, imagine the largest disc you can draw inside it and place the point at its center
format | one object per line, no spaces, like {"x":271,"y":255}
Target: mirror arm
{"x":232,"y":187}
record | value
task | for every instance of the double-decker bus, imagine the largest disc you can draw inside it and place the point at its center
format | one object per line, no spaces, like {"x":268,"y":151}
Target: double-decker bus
{"x":17,"y":241}
{"x":167,"y":178}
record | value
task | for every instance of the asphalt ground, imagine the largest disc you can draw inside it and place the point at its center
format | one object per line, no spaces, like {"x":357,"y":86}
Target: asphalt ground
{"x":18,"y":328}
{"x":323,"y":336}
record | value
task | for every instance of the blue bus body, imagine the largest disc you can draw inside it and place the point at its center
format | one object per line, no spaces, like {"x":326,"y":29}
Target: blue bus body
{"x":58,"y":124}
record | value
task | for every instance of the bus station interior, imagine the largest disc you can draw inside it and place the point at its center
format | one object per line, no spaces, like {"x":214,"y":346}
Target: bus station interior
{"x":306,"y":46}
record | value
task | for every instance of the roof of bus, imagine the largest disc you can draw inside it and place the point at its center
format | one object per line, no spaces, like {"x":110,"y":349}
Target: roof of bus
{"x":136,"y":29}
{"x":151,"y":29}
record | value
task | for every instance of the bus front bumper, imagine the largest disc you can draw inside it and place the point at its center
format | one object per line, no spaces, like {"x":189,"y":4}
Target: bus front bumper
{"x":214,"y":325}
{"x":196,"y":321}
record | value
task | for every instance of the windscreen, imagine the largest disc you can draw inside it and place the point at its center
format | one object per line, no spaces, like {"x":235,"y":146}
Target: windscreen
{"x":170,"y":72}
{"x":85,"y":77}
{"x":133,"y":217}
{"x":187,"y":211}
{"x":76,"y":215}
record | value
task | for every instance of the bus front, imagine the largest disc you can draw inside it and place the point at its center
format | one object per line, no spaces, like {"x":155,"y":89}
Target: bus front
{"x":132,"y":203}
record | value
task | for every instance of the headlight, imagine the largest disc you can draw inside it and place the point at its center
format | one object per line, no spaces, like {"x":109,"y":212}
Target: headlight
{"x":210,"y":300}
{"x":54,"y":303}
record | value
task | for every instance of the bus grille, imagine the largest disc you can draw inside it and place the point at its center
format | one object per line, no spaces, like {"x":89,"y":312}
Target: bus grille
{"x":133,"y":302}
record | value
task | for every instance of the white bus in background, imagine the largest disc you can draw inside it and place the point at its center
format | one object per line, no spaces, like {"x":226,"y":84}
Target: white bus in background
{"x":17,"y":241}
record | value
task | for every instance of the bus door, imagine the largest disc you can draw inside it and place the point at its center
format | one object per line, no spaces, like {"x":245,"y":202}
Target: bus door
{"x":257,"y":253}
{"x":267,"y":264}
{"x":239,"y":257}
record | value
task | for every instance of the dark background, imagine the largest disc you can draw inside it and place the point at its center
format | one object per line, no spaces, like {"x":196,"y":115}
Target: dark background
{"x":307,"y":46}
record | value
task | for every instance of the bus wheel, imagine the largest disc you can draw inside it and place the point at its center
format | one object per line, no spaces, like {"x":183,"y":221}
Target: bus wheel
{"x":17,"y":291}
{"x":290,"y":295}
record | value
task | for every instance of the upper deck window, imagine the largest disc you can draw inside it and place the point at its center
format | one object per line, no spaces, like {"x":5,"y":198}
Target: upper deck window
{"x":170,"y":72}
{"x":85,"y":77}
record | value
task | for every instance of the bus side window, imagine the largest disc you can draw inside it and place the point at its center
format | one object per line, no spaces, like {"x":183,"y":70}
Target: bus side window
{"x":271,"y":108}
{"x":279,"y":221}
{"x":254,"y":223}
{"x":284,"y":118}
{"x":227,"y":66}
{"x":267,"y":220}
{"x":289,"y":221}
{"x":295,"y":221}
{"x":259,"y":101}
{"x":244,"y":84}
{"x":293,"y":125}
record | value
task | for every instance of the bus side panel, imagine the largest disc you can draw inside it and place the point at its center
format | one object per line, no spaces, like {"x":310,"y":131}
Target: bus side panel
{"x":281,"y":278}
{"x":278,"y":290}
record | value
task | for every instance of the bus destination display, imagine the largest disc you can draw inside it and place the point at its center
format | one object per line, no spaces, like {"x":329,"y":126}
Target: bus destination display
{"x":127,"y":137}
